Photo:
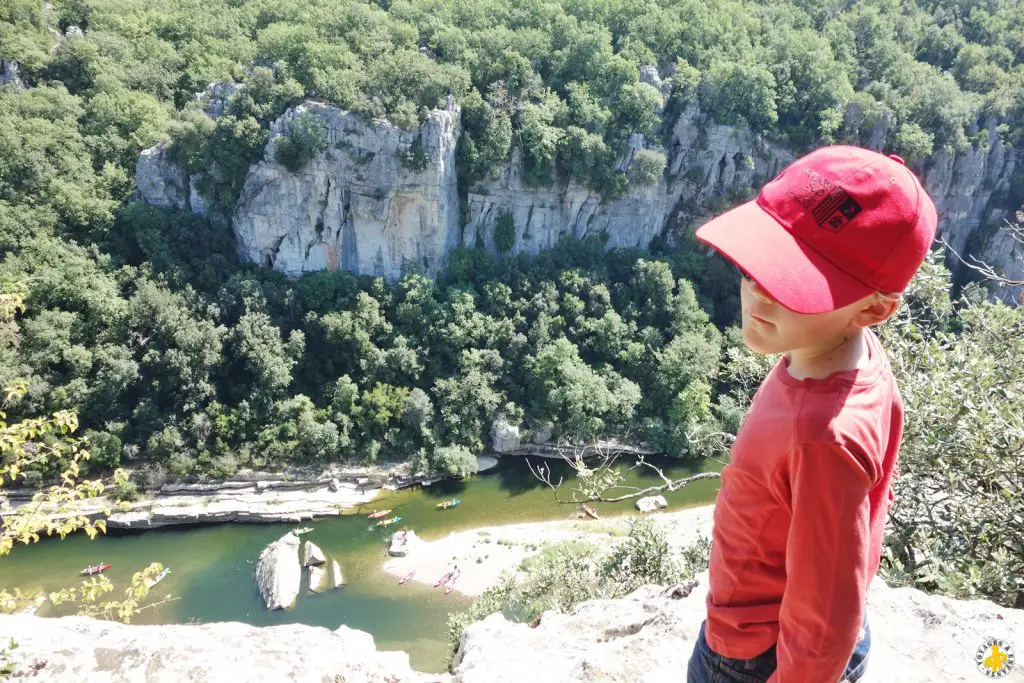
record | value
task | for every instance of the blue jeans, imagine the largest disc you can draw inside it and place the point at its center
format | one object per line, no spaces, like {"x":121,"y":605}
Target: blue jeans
{"x":707,"y":666}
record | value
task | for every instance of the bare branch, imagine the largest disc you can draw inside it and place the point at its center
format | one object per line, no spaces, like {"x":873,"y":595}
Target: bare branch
{"x":986,"y":271}
{"x":595,"y":484}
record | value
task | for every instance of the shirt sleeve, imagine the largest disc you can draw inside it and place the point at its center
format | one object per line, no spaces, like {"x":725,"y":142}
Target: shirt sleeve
{"x":826,"y":563}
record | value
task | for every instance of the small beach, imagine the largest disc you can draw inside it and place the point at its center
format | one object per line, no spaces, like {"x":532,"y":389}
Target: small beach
{"x":483,"y":554}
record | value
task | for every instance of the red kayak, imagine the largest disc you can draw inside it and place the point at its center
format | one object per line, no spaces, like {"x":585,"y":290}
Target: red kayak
{"x":443,"y":579}
{"x":407,"y":577}
{"x":94,"y":569}
{"x":449,"y":586}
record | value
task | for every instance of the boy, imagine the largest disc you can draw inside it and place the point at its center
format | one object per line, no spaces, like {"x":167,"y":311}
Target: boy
{"x":823,"y":251}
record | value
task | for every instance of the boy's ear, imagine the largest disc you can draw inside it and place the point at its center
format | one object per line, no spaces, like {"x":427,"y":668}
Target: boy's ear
{"x":877,"y":308}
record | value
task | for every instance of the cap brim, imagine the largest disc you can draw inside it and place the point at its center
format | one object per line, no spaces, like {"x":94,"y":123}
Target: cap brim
{"x":795,"y":275}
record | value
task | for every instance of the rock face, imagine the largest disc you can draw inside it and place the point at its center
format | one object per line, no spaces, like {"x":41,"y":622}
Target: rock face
{"x":9,"y":75}
{"x":651,"y":503}
{"x":649,"y":636}
{"x":312,"y":555}
{"x":356,"y":206}
{"x":504,"y":436}
{"x":278,"y":573}
{"x":76,"y":649}
{"x":160,"y":181}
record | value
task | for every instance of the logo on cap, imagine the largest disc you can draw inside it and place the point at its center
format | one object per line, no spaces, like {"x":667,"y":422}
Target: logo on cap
{"x":835,"y":210}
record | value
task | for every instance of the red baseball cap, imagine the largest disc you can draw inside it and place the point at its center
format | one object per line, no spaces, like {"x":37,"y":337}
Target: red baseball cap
{"x":834,"y":226}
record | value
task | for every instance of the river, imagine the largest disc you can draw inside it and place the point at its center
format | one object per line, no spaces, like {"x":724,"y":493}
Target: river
{"x":212,"y":565}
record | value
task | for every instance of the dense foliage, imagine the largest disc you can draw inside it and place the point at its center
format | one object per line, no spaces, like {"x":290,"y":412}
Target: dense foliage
{"x":958,"y":521}
{"x":24,"y":445}
{"x":561,"y":79}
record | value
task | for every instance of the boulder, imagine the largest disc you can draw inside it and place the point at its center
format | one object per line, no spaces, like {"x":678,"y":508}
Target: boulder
{"x":336,"y":578}
{"x":278,"y":572}
{"x":334,"y":484}
{"x":317,"y":578}
{"x":77,"y":649}
{"x":313,"y":555}
{"x":651,"y":503}
{"x":542,"y":433}
{"x":504,"y":436}
{"x":400,"y":543}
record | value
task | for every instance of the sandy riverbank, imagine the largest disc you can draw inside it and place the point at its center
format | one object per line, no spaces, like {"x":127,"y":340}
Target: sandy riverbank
{"x":483,"y":554}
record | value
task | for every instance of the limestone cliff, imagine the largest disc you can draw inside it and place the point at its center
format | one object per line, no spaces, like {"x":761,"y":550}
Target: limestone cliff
{"x":703,"y":160}
{"x":359,"y":206}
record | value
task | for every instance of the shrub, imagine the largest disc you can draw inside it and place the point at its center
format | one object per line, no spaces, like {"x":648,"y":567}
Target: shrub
{"x":563,"y":575}
{"x":647,"y":167}
{"x":308,"y":137}
{"x":505,"y":232}
{"x":415,"y":158}
{"x":127,"y":492}
{"x":455,"y":461}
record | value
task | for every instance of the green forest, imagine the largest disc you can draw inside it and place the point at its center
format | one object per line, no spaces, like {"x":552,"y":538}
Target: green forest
{"x":180,"y":362}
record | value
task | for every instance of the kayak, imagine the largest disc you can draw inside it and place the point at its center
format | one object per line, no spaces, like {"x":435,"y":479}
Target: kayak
{"x":589,"y":511}
{"x":407,"y":578}
{"x":450,"y":586}
{"x":443,"y":579}
{"x":93,"y":570}
{"x":449,"y":503}
{"x":303,"y":530}
{"x":158,"y":578}
{"x":377,"y":514}
{"x":392,"y":520}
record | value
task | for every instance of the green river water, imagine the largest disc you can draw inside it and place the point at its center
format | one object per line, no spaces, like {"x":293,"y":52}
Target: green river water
{"x":212,"y":565}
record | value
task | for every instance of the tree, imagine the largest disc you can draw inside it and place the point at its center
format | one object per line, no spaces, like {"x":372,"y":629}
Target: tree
{"x":307,"y":138}
{"x":454,"y":461}
{"x":505,"y":233}
{"x":579,"y":400}
{"x":955,"y":523}
{"x":26,"y":444}
{"x":647,"y":167}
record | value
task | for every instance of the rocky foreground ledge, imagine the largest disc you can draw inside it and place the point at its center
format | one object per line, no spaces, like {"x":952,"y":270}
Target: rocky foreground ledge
{"x":75,"y":649}
{"x":648,"y":637}
{"x":644,"y":638}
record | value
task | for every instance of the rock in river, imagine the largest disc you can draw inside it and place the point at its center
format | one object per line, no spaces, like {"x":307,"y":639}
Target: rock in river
{"x":400,"y":543}
{"x":336,"y":578}
{"x":278,"y":573}
{"x":313,"y":555}
{"x":317,"y":578}
{"x":651,"y":503}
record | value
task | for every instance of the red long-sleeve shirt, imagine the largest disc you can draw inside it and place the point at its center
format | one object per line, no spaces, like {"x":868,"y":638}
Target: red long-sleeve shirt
{"x":800,"y":516}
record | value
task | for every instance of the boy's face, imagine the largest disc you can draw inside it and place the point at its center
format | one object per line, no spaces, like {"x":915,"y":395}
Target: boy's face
{"x":769,"y":327}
